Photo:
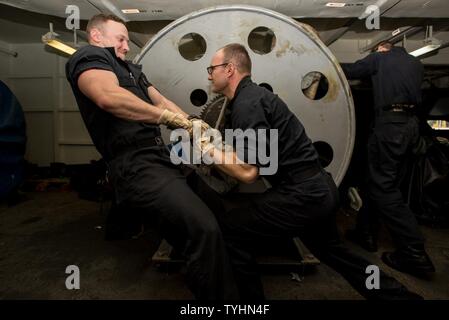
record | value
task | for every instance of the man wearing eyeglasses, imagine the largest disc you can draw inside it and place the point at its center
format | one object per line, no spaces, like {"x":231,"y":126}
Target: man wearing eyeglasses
{"x":303,"y":198}
{"x":122,"y":112}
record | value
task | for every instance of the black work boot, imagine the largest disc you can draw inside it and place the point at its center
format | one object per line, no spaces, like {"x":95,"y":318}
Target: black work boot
{"x":363,"y":239}
{"x":411,"y":259}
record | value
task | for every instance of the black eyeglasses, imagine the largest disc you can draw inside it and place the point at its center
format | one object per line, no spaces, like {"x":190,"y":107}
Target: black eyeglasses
{"x":211,"y":68}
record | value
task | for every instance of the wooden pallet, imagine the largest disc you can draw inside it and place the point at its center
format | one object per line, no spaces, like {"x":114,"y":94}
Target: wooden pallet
{"x":298,"y":256}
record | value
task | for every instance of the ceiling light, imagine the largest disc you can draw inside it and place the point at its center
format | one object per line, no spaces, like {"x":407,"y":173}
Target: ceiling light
{"x":130,"y":10}
{"x":50,"y":38}
{"x":335,"y":4}
{"x":111,"y":7}
{"x":61,"y":46}
{"x":430,"y":44}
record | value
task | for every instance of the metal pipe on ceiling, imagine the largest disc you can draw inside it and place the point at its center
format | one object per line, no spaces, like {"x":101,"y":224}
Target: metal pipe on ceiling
{"x":394,"y":37}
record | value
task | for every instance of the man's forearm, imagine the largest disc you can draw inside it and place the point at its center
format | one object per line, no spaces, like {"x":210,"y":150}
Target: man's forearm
{"x":227,"y":162}
{"x":174,"y":108}
{"x":123,"y":104}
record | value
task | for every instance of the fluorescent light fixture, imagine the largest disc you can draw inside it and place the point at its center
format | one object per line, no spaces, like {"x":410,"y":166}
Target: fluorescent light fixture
{"x":425,"y":49}
{"x":60,"y":46}
{"x":130,"y":10}
{"x":335,"y":4}
{"x":50,"y":39}
{"x":111,"y":7}
{"x":430,"y":44}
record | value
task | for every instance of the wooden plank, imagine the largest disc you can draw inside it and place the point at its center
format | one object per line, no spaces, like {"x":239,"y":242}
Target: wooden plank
{"x":304,"y":258}
{"x":307,"y":256}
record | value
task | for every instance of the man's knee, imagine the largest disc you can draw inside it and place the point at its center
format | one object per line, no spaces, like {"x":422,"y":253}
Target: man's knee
{"x":200,"y":222}
{"x":209,"y":230}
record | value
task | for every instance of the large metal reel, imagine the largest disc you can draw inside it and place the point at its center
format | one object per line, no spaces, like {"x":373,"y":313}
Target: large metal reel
{"x":287,"y":56}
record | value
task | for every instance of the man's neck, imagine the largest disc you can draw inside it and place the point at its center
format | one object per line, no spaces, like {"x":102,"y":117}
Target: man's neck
{"x":233,"y":84}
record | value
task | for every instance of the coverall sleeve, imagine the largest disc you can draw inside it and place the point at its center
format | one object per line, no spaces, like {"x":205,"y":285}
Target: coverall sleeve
{"x":361,"y":68}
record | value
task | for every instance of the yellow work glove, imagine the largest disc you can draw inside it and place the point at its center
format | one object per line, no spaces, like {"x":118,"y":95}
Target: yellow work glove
{"x":207,"y":140}
{"x":174,"y":120}
{"x":204,"y":126}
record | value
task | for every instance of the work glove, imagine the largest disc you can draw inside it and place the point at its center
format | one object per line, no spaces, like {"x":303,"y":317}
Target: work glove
{"x":208,"y":141}
{"x":174,"y":120}
{"x":203,"y":140}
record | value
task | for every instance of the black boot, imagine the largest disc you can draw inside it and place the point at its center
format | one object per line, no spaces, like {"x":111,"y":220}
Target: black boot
{"x":365,"y":240}
{"x":411,"y":259}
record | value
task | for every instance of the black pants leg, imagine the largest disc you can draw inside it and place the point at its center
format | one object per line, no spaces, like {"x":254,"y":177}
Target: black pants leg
{"x":190,"y":226}
{"x":278,"y":213}
{"x":324,"y":242}
{"x":368,"y":218}
{"x":249,"y":220}
{"x":234,"y":214}
{"x":388,"y":152}
{"x":160,"y":192}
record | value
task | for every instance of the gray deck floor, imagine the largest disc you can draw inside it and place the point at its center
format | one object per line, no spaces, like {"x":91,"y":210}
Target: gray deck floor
{"x":41,"y":236}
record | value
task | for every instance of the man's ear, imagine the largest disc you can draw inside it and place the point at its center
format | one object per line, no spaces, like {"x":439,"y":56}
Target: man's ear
{"x":95,"y":35}
{"x":232,"y":69}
